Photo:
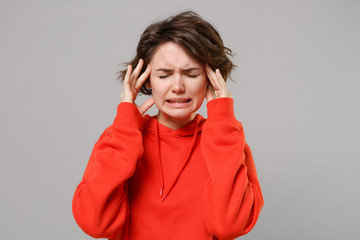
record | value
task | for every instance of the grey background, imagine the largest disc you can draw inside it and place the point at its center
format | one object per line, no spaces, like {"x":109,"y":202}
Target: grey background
{"x":296,"y":92}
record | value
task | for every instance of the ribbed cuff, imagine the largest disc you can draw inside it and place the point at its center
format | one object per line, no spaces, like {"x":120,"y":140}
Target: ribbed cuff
{"x":128,"y":115}
{"x":221,"y":109}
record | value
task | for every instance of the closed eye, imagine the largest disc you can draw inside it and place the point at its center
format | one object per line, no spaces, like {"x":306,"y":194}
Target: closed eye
{"x":164,"y":76}
{"x":192,"y":76}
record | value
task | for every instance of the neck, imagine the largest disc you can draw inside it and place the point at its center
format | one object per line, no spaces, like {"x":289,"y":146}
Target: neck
{"x":174,"y":123}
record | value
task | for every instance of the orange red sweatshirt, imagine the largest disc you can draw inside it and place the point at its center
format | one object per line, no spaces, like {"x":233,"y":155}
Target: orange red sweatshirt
{"x":146,"y":181}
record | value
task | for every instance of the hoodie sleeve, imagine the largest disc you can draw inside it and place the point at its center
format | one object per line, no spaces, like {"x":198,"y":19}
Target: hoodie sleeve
{"x":233,"y":194}
{"x":100,"y":205}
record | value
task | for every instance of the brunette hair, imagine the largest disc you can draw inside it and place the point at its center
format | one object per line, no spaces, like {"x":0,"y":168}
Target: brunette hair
{"x":195,"y":35}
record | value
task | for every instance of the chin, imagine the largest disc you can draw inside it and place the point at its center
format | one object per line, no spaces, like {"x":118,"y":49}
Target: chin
{"x":179,"y":113}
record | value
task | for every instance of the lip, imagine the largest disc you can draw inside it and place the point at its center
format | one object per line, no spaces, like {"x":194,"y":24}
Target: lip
{"x":178,"y":102}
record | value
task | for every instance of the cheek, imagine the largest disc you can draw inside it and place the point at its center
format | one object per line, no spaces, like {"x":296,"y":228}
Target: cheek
{"x":201,"y":92}
{"x":157,"y":92}
{"x":201,"y":88}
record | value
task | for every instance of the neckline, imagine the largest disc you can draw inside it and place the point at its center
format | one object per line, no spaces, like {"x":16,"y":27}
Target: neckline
{"x":187,"y":130}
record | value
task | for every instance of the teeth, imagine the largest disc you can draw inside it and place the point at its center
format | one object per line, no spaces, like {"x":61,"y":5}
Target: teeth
{"x":178,"y":101}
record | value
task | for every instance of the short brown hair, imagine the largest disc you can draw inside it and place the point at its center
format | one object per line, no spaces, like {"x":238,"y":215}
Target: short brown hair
{"x":195,"y":35}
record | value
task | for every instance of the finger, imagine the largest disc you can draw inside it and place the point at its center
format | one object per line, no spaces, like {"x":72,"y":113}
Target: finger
{"x":138,"y":67}
{"x":126,"y":95}
{"x":128,"y":74}
{"x":126,"y":83}
{"x":212,"y":77}
{"x":224,"y":91}
{"x":143,"y":77}
{"x":220,"y":78}
{"x":136,"y":72}
{"x":209,"y":95}
{"x":146,"y":105}
{"x":215,"y":86}
{"x":122,"y":97}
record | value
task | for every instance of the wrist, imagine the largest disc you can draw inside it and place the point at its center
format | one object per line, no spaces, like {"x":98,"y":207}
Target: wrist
{"x":128,"y":115}
{"x":221,"y":109}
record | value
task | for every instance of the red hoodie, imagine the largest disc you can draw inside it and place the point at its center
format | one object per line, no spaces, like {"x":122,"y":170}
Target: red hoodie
{"x":147,"y":181}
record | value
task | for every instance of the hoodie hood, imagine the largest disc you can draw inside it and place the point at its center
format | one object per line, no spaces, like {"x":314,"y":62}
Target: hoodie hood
{"x":188,"y":133}
{"x":150,"y":122}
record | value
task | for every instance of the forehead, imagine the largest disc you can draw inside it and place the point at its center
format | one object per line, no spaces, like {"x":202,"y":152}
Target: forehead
{"x":171,"y":55}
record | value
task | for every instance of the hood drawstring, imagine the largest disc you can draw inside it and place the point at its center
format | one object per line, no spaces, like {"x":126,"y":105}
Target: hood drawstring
{"x":159,"y":159}
{"x":187,"y":158}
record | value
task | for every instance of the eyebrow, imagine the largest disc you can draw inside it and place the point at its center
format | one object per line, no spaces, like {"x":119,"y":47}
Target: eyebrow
{"x":186,"y":70}
{"x":163,"y":70}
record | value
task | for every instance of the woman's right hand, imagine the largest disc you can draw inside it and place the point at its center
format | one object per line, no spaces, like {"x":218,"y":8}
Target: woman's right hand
{"x":133,"y":83}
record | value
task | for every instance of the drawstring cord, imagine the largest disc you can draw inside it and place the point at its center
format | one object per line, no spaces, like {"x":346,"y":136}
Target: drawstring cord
{"x":159,"y":159}
{"x":188,"y":154}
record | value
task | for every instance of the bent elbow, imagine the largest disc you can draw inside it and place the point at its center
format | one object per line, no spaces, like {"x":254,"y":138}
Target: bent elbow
{"x":99,"y":227}
{"x":99,"y":224}
{"x":237,"y":223}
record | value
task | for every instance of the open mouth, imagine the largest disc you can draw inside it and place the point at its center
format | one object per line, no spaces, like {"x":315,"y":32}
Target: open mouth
{"x":178,"y":100}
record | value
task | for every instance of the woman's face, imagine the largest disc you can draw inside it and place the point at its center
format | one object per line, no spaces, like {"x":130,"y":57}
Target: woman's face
{"x":178,"y":84}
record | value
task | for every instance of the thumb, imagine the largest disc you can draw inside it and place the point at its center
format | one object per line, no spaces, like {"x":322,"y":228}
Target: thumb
{"x":146,"y":105}
{"x":209,"y":95}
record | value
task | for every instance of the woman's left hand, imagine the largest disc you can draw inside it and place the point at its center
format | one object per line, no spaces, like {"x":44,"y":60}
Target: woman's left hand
{"x":218,"y":87}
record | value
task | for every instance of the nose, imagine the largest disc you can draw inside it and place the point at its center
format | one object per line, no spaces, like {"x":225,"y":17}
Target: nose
{"x":178,"y":84}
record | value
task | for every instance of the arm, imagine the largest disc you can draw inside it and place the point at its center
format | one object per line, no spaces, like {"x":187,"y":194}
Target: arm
{"x":233,"y":193}
{"x":100,"y":204}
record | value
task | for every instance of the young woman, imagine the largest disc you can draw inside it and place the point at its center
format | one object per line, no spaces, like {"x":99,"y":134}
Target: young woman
{"x":175,"y":175}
